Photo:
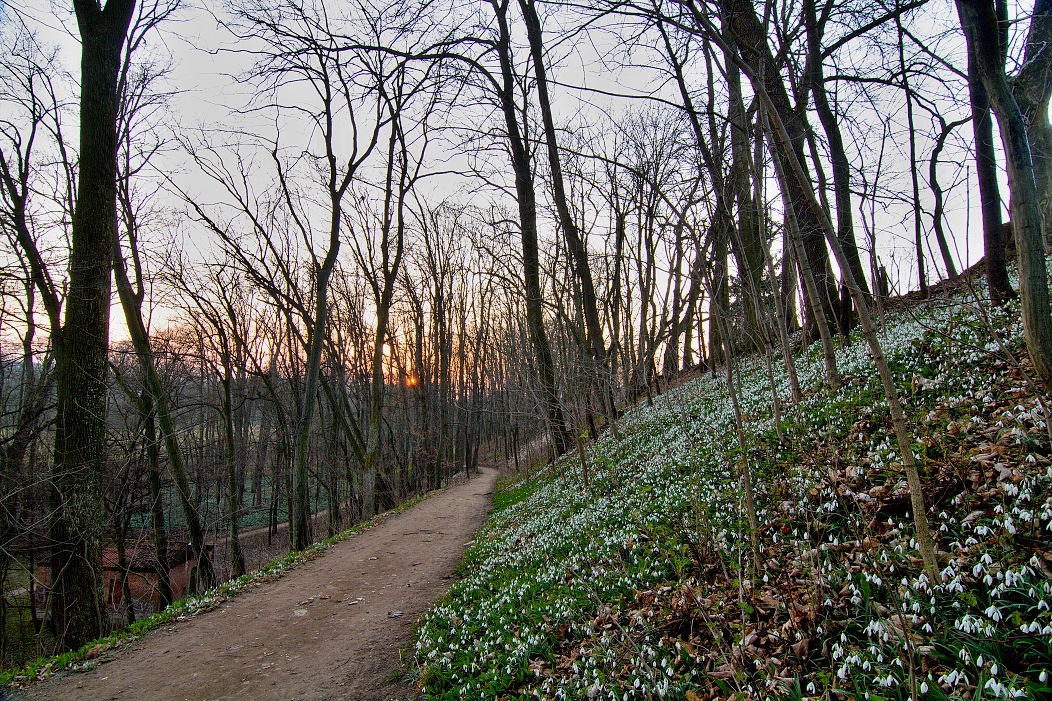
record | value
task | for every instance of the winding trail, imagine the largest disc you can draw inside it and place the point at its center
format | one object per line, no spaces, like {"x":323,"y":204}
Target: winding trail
{"x":334,"y":628}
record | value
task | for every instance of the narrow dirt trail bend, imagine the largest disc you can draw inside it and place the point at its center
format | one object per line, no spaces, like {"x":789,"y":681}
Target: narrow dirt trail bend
{"x":323,"y":631}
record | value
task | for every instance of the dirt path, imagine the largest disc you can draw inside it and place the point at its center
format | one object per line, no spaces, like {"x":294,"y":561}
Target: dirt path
{"x":324,"y":631}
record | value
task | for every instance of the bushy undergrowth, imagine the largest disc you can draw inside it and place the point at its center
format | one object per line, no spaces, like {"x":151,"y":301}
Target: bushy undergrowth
{"x":639,"y":586}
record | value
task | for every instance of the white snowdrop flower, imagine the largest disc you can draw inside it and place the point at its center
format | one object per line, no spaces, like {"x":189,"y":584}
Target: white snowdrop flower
{"x":994,"y":686}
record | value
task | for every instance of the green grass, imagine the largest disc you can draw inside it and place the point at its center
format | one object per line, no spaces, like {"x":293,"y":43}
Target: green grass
{"x":512,"y":490}
{"x":20,"y":634}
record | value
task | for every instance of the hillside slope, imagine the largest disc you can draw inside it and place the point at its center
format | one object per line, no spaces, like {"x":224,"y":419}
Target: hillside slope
{"x":637,"y":586}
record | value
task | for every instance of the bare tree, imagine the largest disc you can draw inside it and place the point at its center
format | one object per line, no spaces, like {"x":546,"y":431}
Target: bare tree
{"x":989,"y":190}
{"x":571,"y":233}
{"x":982,"y":30}
{"x":82,"y":342}
{"x":142,"y":104}
{"x":505,"y":86}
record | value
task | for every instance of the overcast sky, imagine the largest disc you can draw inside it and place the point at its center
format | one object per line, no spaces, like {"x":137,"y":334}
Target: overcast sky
{"x":210,"y":97}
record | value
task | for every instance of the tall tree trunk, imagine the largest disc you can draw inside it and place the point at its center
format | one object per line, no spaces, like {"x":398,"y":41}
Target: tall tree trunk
{"x":397,"y":187}
{"x":981,"y":30}
{"x":527,"y":201}
{"x":370,"y":463}
{"x":233,"y":493}
{"x":153,"y":474}
{"x":779,"y":301}
{"x":938,"y":211}
{"x":837,"y":153}
{"x":571,"y":234}
{"x":787,"y":281}
{"x":131,"y":304}
{"x":749,"y":39}
{"x":911,"y":130}
{"x":670,"y":364}
{"x":746,"y":238}
{"x":824,"y":332}
{"x":77,"y":524}
{"x":1032,"y":89}
{"x":719,"y":294}
{"x":693,"y":296}
{"x":723,"y":195}
{"x":124,"y":569}
{"x":301,"y":516}
{"x":989,"y":190}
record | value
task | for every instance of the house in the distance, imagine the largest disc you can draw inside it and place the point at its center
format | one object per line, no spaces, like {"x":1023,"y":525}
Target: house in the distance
{"x":142,"y":578}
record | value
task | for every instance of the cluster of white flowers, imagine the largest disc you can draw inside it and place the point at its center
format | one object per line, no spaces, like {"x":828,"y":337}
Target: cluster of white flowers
{"x":567,"y":563}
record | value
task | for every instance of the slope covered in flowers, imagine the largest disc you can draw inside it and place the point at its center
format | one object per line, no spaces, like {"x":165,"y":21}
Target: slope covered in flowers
{"x":638,"y":586}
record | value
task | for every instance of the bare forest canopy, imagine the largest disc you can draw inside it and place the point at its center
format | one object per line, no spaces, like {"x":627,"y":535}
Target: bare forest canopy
{"x":269,"y":269}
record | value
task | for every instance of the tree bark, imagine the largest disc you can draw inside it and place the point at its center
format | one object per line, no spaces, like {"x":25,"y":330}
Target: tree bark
{"x":527,"y":202}
{"x":1032,"y":89}
{"x":981,"y":30}
{"x":131,"y":304}
{"x":938,"y":211}
{"x":160,"y":532}
{"x":77,"y":524}
{"x":837,"y":153}
{"x":989,"y":190}
{"x":750,"y":40}
{"x":824,"y":332}
{"x":747,"y":240}
{"x":571,"y":234}
{"x":301,"y":531}
{"x":233,"y":493}
{"x":918,"y":229}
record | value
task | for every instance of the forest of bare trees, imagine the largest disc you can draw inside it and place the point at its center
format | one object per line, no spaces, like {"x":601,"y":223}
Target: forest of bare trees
{"x":414,"y":236}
